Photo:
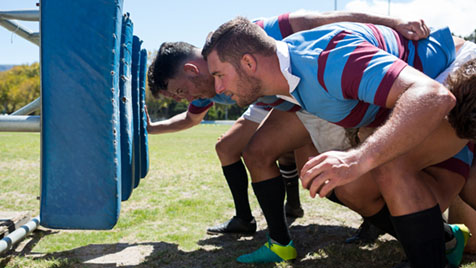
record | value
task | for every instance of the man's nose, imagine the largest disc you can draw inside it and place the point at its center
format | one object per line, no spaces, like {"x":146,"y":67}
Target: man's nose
{"x":219,"y":88}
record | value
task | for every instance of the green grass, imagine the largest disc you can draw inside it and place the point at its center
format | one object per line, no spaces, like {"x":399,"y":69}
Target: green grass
{"x":163,"y":223}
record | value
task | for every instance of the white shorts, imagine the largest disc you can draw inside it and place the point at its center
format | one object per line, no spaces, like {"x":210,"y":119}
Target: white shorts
{"x":325,"y":135}
{"x":465,"y":53}
{"x":255,"y":114}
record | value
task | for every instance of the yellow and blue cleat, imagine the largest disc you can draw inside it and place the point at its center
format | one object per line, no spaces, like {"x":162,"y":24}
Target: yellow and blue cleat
{"x":462,"y":234}
{"x":270,"y":252}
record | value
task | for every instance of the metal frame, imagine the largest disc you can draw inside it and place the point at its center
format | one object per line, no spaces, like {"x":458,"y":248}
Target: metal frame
{"x":19,"y":121}
{"x":25,"y":15}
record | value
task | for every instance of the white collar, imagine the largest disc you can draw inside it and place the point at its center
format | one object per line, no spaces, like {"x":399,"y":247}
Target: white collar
{"x":284,"y":59}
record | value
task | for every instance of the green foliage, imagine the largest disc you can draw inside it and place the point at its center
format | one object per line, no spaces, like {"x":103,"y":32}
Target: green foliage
{"x":471,"y":37}
{"x":19,"y":86}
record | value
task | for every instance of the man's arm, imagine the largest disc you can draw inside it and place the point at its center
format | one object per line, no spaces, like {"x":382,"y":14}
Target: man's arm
{"x":305,"y":20}
{"x":419,"y":106}
{"x":176,"y":123}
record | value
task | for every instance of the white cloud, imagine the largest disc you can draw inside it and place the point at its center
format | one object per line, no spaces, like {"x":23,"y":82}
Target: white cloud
{"x":457,"y":14}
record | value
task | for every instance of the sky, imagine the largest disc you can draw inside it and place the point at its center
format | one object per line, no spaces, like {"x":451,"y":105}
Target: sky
{"x":157,"y":21}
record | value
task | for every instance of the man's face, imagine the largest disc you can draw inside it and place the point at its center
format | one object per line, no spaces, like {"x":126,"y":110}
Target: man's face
{"x":242,"y":88}
{"x":190,"y":87}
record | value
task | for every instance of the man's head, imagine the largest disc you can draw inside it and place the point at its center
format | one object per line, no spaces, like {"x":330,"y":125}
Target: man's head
{"x":179,"y":71}
{"x":462,"y":84}
{"x":231,"y":53}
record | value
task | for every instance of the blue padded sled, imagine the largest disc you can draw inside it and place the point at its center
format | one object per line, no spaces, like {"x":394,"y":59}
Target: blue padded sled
{"x":144,"y":142}
{"x":136,"y":44}
{"x":125,"y":111}
{"x":80,"y":145}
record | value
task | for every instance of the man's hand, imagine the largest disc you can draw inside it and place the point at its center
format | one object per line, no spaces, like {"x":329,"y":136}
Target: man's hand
{"x":413,"y":30}
{"x":321,"y":174}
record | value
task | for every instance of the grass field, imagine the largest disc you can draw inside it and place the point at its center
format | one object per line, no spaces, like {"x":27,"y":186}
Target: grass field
{"x":164,"y":222}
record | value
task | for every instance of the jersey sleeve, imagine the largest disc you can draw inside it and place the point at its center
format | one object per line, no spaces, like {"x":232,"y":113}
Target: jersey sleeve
{"x":270,"y":102}
{"x":199,"y":106}
{"x":352,"y":68}
{"x":277,"y":27}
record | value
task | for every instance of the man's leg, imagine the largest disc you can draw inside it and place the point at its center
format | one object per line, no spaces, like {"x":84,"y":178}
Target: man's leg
{"x":229,"y":148}
{"x":413,"y":203}
{"x":290,"y":174}
{"x":280,"y":133}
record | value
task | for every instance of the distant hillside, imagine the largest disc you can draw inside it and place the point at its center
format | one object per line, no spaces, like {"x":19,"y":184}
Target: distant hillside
{"x":5,"y":67}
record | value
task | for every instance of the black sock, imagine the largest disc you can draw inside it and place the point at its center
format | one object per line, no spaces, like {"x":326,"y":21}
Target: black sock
{"x":270,"y":195}
{"x":291,"y":180}
{"x":237,"y":180}
{"x":421,"y":235}
{"x":383,"y":221}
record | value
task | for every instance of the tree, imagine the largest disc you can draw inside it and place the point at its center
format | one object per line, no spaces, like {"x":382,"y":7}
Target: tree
{"x":471,"y":37}
{"x":19,"y":86}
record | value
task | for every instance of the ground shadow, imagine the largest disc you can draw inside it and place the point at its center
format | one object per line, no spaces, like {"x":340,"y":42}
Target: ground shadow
{"x":318,"y":246}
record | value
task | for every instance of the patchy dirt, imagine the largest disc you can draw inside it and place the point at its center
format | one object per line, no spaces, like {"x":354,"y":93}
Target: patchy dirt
{"x":321,"y":228}
{"x":318,"y":236}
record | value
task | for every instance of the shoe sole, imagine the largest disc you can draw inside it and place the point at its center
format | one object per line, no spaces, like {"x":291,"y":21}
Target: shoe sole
{"x":231,"y":233}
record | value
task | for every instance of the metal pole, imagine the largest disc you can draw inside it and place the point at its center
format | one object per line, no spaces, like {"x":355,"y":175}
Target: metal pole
{"x":26,"y":15}
{"x":388,"y":8}
{"x":19,"y":123}
{"x":21,"y":31}
{"x":335,"y":4}
{"x":7,"y":242}
{"x":29,"y":108}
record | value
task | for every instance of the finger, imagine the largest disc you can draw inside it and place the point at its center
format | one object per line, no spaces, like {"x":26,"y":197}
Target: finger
{"x":327,"y":187}
{"x":308,"y":176}
{"x":426,"y":29}
{"x":313,"y":161}
{"x":411,"y":35}
{"x":317,"y":185}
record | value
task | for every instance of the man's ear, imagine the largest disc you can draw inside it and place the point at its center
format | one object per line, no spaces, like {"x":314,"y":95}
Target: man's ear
{"x":248,"y":63}
{"x":190,"y":68}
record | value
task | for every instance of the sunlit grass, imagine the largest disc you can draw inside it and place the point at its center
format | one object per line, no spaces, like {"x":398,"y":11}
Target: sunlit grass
{"x":168,"y":213}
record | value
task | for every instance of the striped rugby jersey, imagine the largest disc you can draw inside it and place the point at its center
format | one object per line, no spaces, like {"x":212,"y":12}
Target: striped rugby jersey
{"x":347,"y":69}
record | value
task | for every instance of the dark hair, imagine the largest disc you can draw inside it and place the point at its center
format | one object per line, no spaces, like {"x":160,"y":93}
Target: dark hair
{"x":237,"y":37}
{"x":462,"y":84}
{"x":166,"y":64}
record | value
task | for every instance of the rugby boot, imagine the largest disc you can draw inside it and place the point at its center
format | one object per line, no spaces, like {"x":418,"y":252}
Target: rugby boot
{"x":270,"y":252}
{"x":234,"y":226}
{"x":462,"y":234}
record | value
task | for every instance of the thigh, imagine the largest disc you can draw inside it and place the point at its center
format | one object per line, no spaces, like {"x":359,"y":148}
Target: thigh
{"x":361,"y":195}
{"x":232,"y":143}
{"x":281,"y":132}
{"x":444,"y":184}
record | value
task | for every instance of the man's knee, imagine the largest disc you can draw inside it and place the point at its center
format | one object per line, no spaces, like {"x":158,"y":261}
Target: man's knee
{"x":390,"y":174}
{"x":226,"y":149}
{"x":365,"y":200}
{"x":258,"y":156}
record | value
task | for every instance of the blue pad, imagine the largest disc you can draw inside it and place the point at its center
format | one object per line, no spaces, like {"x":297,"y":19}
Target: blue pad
{"x":136,"y":44}
{"x":80,"y":145}
{"x":126,"y":108}
{"x":144,"y":142}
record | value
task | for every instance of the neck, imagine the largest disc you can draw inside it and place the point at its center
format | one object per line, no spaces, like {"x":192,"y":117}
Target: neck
{"x":272,"y":78}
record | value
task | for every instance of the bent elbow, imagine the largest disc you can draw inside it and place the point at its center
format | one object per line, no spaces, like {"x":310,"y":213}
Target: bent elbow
{"x":444,"y":98}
